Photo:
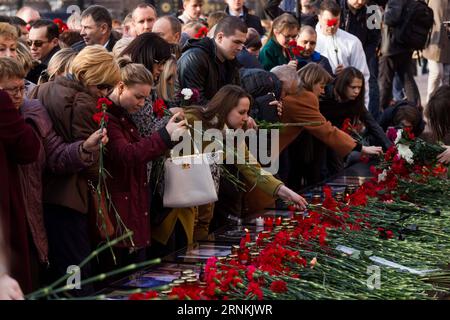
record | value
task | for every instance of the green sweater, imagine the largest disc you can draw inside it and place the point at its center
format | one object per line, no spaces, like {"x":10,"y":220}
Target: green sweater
{"x":271,"y":55}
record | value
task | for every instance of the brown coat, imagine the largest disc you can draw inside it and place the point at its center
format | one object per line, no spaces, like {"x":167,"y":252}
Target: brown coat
{"x":70,"y":108}
{"x":439,"y":48}
{"x":304,"y":107}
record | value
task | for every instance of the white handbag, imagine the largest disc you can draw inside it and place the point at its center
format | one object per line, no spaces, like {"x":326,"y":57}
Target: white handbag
{"x":188,"y":181}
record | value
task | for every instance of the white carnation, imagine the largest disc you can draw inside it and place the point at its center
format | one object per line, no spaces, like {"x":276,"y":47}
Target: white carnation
{"x":399,"y":136}
{"x":382,"y":176}
{"x":405,"y":152}
{"x":187,"y":93}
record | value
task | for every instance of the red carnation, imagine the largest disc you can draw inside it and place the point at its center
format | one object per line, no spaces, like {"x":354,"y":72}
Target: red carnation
{"x":160,"y":108}
{"x":143,"y":296}
{"x":201,"y":33}
{"x":346,"y":126}
{"x":332,"y":22}
{"x":253,"y":288}
{"x":97,"y":117}
{"x":103,"y":104}
{"x":61,"y":25}
{"x":278,"y":286}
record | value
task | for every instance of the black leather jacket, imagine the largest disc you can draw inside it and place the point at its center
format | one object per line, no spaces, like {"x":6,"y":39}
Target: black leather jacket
{"x":200,"y":68}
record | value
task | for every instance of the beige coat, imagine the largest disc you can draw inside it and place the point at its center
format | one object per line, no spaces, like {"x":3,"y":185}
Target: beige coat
{"x":439,"y":48}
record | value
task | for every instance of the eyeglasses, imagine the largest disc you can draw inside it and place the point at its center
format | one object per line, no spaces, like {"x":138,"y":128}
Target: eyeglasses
{"x":15,"y":91}
{"x":37,"y":43}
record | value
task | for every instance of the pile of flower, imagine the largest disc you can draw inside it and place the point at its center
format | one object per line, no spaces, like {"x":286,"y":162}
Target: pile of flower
{"x":390,"y":239}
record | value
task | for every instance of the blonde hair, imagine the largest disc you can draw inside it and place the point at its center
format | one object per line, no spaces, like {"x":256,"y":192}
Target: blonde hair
{"x":284,"y":22}
{"x":312,"y":74}
{"x":11,"y":68}
{"x":164,"y":90}
{"x":24,"y":57}
{"x":94,"y":65}
{"x":8,"y":31}
{"x":134,"y":73}
{"x":59,"y":64}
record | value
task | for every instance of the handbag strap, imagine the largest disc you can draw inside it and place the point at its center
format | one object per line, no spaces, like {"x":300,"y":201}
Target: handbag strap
{"x":196,"y":150}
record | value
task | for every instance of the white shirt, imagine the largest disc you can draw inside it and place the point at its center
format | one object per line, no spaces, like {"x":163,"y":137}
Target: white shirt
{"x":350,"y":53}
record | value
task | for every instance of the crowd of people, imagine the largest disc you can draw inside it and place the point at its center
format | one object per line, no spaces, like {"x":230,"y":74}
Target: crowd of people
{"x":323,"y":66}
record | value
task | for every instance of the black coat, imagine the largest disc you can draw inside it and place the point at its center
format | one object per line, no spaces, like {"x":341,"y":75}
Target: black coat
{"x":356,"y":24}
{"x":393,"y":19}
{"x":264,"y":87}
{"x":200,"y":68}
{"x":337,"y":112}
{"x":250,"y":20}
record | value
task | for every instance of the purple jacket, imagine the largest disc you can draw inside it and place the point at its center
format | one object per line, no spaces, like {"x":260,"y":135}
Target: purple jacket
{"x":55,"y":156}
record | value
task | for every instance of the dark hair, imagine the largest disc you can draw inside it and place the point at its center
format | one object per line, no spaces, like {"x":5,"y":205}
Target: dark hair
{"x":5,"y":19}
{"x":52,"y":28}
{"x":332,"y":6}
{"x":99,"y":14}
{"x":17,"y":21}
{"x":409,"y":112}
{"x":69,"y":37}
{"x":344,"y":79}
{"x":222,"y":103}
{"x":253,"y":39}
{"x":229,"y":26}
{"x":438,"y":112}
{"x":146,"y":48}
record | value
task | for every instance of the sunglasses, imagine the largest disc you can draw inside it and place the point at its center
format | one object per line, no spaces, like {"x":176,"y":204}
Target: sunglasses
{"x":37,"y":43}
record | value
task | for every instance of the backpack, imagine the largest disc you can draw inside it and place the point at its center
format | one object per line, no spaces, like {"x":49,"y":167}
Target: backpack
{"x":415,"y":30}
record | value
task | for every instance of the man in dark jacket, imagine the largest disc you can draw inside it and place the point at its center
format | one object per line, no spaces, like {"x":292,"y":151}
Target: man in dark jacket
{"x":43,"y":43}
{"x":307,"y":39}
{"x":396,"y":58}
{"x":236,"y":8}
{"x":96,"y":28}
{"x":209,"y":64}
{"x":354,"y":19}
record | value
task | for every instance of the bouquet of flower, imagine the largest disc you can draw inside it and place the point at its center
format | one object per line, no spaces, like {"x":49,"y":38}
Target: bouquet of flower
{"x":295,"y":50}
